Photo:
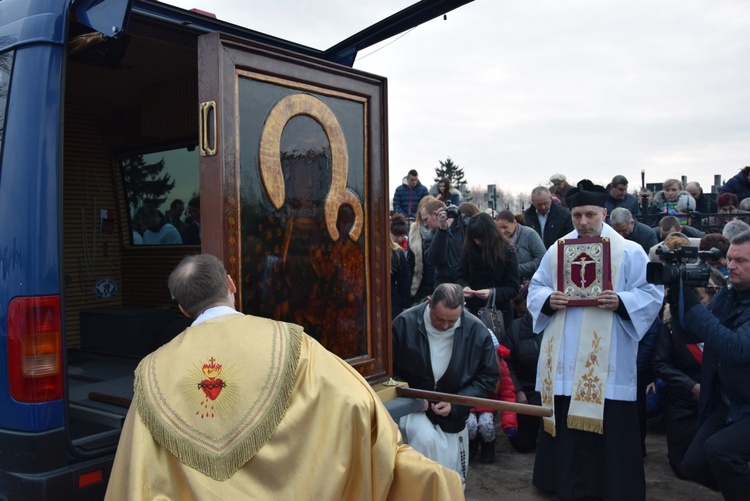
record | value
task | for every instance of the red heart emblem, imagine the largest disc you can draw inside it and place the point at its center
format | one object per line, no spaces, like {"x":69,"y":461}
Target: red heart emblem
{"x":212,"y":387}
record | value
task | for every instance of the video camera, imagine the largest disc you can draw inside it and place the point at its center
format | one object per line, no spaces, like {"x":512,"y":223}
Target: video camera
{"x":674,"y":268}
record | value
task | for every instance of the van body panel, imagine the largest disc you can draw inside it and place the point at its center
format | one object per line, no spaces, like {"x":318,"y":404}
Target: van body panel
{"x":85,"y":114}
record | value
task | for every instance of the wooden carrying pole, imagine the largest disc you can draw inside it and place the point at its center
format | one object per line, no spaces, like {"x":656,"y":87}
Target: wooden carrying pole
{"x":530,"y":410}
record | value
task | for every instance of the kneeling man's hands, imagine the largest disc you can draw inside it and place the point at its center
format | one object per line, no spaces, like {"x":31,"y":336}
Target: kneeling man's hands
{"x":441,"y":408}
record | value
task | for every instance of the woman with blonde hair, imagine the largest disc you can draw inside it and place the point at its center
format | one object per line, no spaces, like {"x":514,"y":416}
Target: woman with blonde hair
{"x":420,"y":239}
{"x":665,"y":201}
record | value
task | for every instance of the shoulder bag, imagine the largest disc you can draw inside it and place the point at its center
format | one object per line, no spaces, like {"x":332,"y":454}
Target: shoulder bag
{"x":489,"y":316}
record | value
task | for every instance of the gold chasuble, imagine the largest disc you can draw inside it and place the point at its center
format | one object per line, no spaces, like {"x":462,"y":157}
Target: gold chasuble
{"x":242,"y":407}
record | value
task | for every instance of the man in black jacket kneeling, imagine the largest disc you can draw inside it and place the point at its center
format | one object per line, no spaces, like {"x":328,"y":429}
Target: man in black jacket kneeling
{"x":438,"y":346}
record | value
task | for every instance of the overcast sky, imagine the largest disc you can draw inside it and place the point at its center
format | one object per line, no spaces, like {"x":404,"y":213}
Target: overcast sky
{"x":514,"y":91}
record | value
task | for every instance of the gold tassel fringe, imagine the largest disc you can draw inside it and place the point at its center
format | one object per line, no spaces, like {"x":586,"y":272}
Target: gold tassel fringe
{"x":549,"y":426}
{"x":224,"y":466}
{"x":593,"y":425}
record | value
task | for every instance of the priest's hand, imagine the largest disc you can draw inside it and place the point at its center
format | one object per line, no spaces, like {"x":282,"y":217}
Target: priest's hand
{"x":441,"y":408}
{"x":558,"y":300}
{"x":609,"y":300}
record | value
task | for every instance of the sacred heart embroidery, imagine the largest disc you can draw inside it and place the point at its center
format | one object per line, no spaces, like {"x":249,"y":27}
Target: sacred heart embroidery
{"x":211,"y":386}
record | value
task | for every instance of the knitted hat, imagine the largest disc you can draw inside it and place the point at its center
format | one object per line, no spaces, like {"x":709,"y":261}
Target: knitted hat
{"x":726,"y":199}
{"x":557,"y":177}
{"x":685,"y":203}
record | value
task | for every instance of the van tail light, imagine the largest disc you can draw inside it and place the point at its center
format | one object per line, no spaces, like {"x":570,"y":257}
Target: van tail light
{"x":35,"y":349}
{"x":90,"y":478}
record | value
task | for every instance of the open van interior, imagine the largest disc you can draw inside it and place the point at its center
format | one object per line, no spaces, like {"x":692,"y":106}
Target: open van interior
{"x":130,"y":137}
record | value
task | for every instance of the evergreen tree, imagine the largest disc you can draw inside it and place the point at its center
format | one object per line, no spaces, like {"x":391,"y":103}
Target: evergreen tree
{"x":455,"y":175}
{"x":145,"y":183}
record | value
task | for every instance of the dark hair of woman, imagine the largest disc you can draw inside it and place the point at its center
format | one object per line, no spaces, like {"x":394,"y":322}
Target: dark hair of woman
{"x":399,"y":226}
{"x":506,"y":215}
{"x":483,"y":228}
{"x":445,"y":193}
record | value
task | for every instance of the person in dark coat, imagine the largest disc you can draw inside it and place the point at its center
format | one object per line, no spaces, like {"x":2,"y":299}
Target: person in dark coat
{"x":488,"y":263}
{"x":560,"y":188}
{"x":400,"y":274}
{"x":678,"y":364}
{"x":704,"y":204}
{"x":618,"y":196}
{"x":438,"y":346}
{"x":622,"y":221}
{"x":408,"y":195}
{"x":444,"y":253}
{"x":524,"y":354}
{"x":550,"y":221}
{"x":719,"y":453}
{"x":670,"y":224}
{"x":739,"y":184}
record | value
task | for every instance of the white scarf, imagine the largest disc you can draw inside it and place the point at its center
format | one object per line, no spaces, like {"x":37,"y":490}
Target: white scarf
{"x":441,"y":345}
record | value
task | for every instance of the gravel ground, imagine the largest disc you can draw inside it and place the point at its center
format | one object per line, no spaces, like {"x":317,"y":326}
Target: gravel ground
{"x":509,"y":478}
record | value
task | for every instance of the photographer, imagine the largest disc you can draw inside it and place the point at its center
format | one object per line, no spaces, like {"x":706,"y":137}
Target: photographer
{"x":447,"y":244}
{"x":720,"y":451}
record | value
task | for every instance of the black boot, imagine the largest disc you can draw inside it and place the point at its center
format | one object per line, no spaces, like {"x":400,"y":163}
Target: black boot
{"x":473,"y":449}
{"x":488,"y":452}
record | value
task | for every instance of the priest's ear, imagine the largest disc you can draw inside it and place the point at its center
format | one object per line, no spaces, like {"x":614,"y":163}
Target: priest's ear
{"x":183,"y":311}
{"x":231,"y":285}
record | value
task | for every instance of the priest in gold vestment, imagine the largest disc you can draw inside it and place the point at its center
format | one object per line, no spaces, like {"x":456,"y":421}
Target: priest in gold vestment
{"x":242,"y":407}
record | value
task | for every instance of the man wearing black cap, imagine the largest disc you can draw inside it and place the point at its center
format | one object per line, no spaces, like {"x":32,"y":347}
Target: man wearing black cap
{"x":587,"y":363}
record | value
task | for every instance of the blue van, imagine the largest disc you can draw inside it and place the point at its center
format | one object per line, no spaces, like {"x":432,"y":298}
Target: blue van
{"x":133,"y":133}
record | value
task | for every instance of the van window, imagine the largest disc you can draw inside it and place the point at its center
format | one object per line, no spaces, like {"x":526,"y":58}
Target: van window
{"x":6,"y":66}
{"x":162,"y":192}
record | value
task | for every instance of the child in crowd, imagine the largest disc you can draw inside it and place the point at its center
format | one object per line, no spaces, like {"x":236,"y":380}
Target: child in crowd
{"x":685,"y":208}
{"x":481,"y":422}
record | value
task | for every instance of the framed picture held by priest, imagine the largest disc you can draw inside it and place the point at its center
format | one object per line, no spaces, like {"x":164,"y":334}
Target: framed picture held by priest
{"x":584,"y":270}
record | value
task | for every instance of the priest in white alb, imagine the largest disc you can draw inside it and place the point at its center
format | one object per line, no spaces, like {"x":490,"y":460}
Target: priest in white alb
{"x":591,"y":299}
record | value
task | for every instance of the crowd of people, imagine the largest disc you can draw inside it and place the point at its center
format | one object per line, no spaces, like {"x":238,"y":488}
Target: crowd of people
{"x":587,"y":312}
{"x":595,"y":363}
{"x":152,"y":227}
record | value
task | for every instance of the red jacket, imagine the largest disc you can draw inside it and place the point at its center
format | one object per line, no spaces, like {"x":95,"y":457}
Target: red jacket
{"x":505,"y":392}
